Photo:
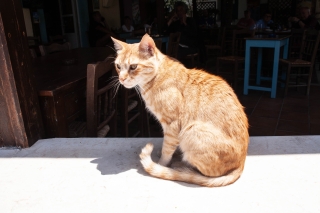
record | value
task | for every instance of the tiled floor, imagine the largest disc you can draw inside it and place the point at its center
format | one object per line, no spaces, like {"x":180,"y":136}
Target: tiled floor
{"x":295,"y":114}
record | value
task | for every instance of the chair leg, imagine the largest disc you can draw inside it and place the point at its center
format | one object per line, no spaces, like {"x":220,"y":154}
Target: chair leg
{"x":309,"y":79}
{"x":113,"y":123}
{"x":287,"y":80}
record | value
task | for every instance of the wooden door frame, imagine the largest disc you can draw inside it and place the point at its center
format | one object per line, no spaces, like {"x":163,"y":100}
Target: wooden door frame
{"x":20,"y":118}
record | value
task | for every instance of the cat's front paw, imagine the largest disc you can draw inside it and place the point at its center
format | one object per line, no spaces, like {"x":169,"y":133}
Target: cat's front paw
{"x":164,"y":161}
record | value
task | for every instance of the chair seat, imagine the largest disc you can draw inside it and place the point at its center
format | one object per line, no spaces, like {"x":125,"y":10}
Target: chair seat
{"x":231,"y":58}
{"x":295,"y":61}
{"x":213,"y":47}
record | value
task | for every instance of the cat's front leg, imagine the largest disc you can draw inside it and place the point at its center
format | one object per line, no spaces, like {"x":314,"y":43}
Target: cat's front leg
{"x":169,"y":146}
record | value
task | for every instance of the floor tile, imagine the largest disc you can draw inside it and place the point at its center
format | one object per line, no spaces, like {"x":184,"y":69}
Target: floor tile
{"x":266,"y":113}
{"x":301,"y":116}
{"x":315,"y":128}
{"x":248,"y":111}
{"x":263,"y":122}
{"x":294,"y":108}
{"x":287,"y":133}
{"x":293,"y":126}
{"x":253,"y":131}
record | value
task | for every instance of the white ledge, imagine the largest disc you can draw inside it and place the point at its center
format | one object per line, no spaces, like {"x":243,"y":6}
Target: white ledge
{"x":282,"y":174}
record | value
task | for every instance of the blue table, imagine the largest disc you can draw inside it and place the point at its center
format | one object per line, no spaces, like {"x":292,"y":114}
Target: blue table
{"x":264,"y":41}
{"x":137,"y":39}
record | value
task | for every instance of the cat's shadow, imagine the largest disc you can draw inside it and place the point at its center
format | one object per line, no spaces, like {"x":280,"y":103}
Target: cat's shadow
{"x":109,"y":166}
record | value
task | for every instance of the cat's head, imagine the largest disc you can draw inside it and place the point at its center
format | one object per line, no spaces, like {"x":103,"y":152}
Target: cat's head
{"x":136,"y":64}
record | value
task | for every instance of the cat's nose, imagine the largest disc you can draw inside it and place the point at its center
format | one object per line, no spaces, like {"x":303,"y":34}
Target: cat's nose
{"x":122,"y":78}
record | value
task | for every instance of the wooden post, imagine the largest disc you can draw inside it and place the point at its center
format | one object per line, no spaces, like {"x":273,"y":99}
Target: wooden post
{"x":20,"y":118}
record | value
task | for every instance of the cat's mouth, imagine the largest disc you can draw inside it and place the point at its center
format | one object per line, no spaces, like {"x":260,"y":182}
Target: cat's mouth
{"x":127,"y":85}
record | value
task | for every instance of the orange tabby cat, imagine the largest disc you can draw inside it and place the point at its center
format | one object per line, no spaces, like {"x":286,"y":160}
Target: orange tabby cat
{"x":199,"y":113}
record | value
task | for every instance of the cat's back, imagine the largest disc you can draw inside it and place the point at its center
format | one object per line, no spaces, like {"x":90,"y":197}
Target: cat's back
{"x":206,"y":97}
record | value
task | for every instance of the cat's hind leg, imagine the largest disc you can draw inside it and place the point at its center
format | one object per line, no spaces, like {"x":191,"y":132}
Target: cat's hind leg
{"x":209,"y":150}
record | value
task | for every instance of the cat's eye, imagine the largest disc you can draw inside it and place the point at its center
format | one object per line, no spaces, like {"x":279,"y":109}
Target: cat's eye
{"x":118,"y":66}
{"x":133,"y":66}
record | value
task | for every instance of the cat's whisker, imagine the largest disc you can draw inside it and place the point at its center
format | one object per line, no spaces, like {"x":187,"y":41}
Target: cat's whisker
{"x":116,"y":86}
{"x":116,"y":90}
{"x":112,"y":48}
{"x":111,"y":56}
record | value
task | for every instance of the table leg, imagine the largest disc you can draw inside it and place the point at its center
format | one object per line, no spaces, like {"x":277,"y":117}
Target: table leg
{"x":246,"y":68}
{"x":259,"y":65}
{"x":286,"y":49}
{"x":275,"y":70}
{"x":285,"y":56}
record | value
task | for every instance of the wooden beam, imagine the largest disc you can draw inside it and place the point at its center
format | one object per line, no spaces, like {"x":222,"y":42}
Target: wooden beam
{"x":20,"y":118}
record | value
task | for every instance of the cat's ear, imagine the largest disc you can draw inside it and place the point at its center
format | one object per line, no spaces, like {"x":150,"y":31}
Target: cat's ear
{"x":118,"y":45}
{"x":147,"y":45}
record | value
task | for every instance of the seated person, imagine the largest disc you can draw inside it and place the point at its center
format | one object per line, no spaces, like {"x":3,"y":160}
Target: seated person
{"x":265,"y":22}
{"x":99,"y":32}
{"x":246,"y":22}
{"x":306,"y":20}
{"x":179,"y":22}
{"x":154,"y":26}
{"x":127,"y":27}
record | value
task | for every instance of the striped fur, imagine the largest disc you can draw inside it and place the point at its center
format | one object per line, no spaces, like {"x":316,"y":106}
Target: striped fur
{"x":199,"y":114}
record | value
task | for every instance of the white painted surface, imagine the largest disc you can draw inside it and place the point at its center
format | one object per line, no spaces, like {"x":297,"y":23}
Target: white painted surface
{"x":282,"y":174}
{"x":27,"y":21}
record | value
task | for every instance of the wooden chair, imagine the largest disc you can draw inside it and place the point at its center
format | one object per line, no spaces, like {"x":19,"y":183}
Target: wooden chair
{"x":133,"y":115}
{"x":238,"y":52}
{"x":215,"y":48}
{"x":302,"y":67}
{"x":173,"y":44}
{"x":227,"y":40}
{"x":101,"y":103}
{"x":295,"y":43}
{"x":191,"y":58}
{"x":54,"y":47}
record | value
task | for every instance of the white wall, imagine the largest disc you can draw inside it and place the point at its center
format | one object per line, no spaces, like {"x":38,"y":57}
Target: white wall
{"x":242,"y":6}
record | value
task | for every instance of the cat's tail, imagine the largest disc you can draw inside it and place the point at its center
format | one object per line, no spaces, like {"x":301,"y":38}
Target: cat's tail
{"x":185,"y":175}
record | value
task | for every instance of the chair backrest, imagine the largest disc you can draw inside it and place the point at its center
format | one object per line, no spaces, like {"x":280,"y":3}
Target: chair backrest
{"x":173,"y":44}
{"x":226,"y":39}
{"x":239,"y":42}
{"x":218,"y":35}
{"x":309,"y":47}
{"x":55,"y":47}
{"x":295,"y":42}
{"x":101,"y":99}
